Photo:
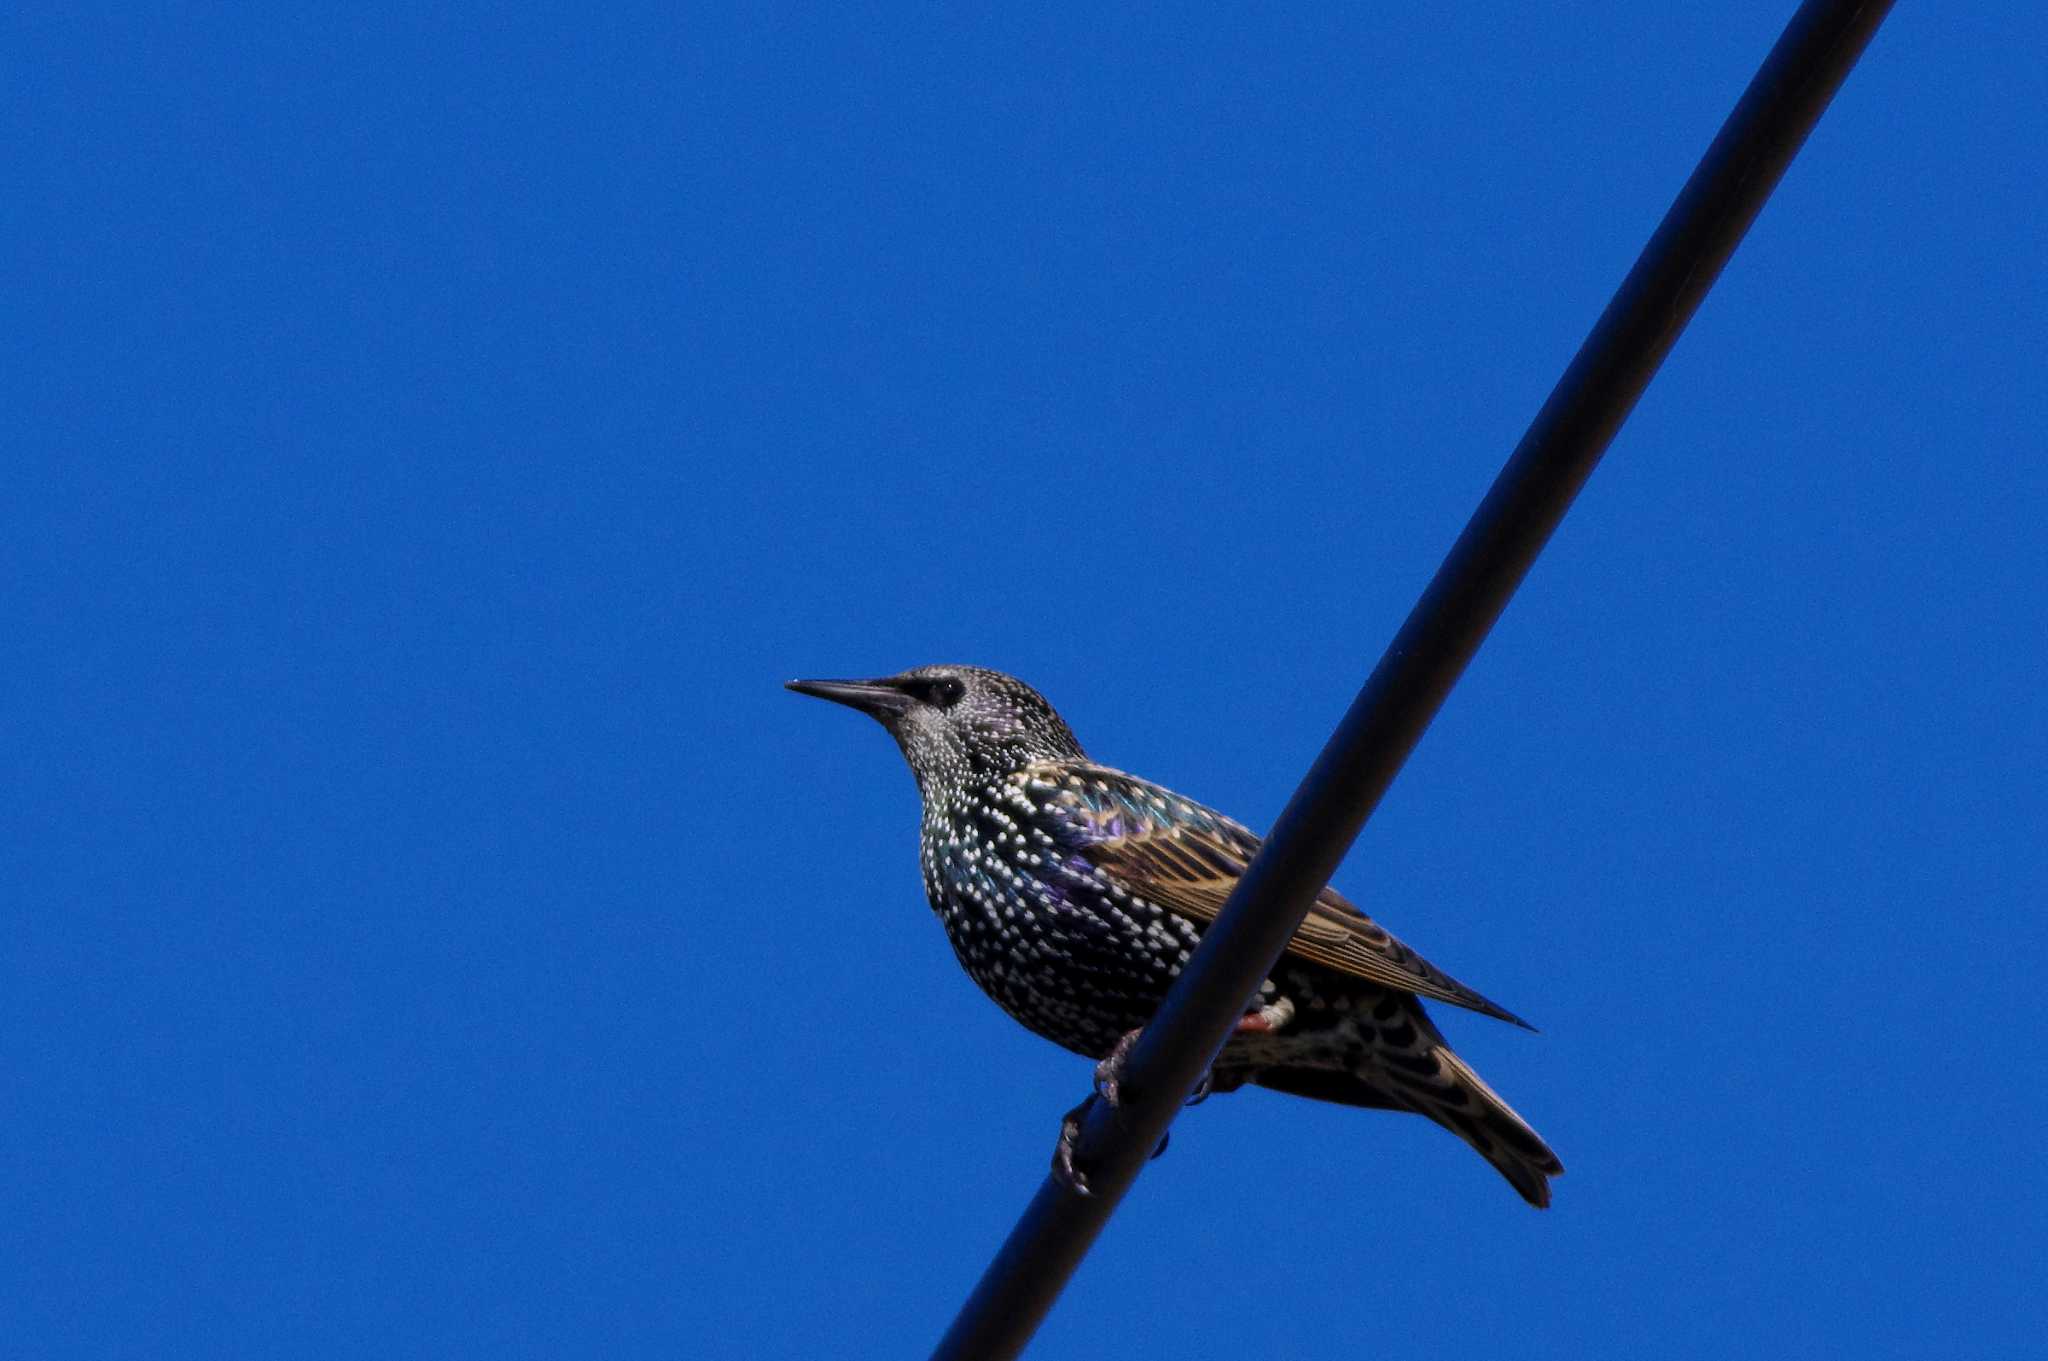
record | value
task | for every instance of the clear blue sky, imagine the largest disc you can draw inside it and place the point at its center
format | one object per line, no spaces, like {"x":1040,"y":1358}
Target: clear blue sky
{"x":435,"y":434}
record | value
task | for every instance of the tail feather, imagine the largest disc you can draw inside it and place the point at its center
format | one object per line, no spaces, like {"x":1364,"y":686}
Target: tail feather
{"x":1412,"y":1060}
{"x":1499,"y":1135}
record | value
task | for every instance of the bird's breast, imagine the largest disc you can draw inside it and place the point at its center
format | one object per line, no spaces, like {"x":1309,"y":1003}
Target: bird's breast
{"x":1043,"y":931}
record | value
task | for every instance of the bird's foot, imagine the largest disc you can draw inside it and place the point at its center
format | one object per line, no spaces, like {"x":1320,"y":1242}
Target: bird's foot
{"x":1108,"y":1089}
{"x":1063,"y":1169}
{"x":1109,"y":1077}
{"x":1109,"y":1073}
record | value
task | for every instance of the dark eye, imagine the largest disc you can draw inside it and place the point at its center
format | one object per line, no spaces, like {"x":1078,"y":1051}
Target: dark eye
{"x":942,"y":693}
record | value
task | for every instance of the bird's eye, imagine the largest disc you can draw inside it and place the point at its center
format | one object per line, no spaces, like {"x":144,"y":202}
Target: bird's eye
{"x":942,"y":693}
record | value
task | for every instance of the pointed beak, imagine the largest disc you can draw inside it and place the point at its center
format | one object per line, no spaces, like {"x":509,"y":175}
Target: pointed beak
{"x":875,"y":698}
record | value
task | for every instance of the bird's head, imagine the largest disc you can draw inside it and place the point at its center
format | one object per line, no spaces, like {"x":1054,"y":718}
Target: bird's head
{"x":955,"y":723}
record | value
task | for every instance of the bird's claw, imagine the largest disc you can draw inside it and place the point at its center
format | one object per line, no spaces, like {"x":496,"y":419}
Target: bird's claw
{"x":1064,"y":1170}
{"x":1109,"y":1073}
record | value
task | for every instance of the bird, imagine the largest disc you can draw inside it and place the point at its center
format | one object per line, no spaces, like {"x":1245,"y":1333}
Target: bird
{"x":1073,"y":893}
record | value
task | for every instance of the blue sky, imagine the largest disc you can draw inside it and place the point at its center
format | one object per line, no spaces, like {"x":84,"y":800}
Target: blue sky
{"x":431,"y":931}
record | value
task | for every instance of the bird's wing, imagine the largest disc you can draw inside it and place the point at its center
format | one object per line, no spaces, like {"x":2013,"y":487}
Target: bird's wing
{"x":1187,"y":858}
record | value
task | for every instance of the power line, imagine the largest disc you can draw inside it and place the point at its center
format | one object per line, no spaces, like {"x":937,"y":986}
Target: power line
{"x":1706,"y":222}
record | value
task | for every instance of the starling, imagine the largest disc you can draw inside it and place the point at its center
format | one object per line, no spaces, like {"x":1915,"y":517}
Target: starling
{"x":1073,"y":893}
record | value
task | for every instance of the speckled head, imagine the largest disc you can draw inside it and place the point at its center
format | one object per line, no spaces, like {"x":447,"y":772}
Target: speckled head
{"x":955,"y":723}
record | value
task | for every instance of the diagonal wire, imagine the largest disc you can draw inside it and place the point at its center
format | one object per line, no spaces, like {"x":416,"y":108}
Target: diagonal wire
{"x":1740,"y":169}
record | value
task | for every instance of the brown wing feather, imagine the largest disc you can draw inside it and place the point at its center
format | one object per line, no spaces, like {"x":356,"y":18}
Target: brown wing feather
{"x":1188,"y":858}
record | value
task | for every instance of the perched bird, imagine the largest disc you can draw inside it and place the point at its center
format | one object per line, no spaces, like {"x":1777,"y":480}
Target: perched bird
{"x":1074,"y":893}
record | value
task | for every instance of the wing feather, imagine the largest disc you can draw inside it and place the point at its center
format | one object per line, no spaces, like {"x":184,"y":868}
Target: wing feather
{"x":1188,"y":858}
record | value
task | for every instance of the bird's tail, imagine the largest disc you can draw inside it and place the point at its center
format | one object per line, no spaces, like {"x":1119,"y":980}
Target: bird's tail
{"x":1435,"y":1082}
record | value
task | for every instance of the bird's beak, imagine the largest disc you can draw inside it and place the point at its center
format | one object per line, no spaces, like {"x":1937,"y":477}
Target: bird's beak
{"x":876,"y":698}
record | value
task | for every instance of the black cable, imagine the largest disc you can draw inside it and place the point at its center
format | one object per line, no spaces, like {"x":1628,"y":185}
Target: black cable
{"x":1654,"y":303}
